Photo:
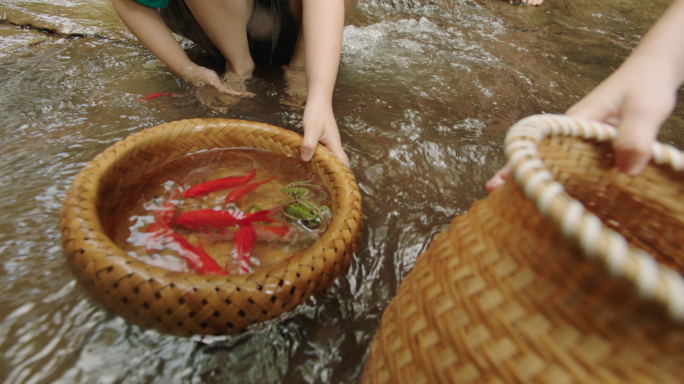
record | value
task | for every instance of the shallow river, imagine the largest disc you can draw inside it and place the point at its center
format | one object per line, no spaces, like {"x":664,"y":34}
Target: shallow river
{"x":424,"y":96}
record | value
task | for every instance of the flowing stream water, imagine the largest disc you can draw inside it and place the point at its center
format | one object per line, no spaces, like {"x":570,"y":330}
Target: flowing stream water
{"x":425,"y":94}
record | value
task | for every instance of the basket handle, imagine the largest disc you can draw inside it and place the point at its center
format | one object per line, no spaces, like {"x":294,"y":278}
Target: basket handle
{"x":652,"y":279}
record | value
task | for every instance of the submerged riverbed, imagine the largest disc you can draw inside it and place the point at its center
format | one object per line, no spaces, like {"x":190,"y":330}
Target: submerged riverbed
{"x":424,"y":96}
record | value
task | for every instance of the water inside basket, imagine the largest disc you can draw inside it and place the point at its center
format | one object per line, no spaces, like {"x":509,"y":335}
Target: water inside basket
{"x":299,"y":211}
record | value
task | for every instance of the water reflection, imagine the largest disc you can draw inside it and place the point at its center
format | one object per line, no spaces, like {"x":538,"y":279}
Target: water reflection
{"x":423,"y":99}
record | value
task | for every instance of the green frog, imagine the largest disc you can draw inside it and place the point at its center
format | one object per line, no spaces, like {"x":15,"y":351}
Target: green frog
{"x":301,"y":210}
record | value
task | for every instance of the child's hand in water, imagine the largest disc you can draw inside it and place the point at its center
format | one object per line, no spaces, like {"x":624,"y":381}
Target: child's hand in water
{"x":200,"y":76}
{"x":320,"y":126}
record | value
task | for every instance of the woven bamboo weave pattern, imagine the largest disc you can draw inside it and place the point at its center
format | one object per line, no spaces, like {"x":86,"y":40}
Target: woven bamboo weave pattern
{"x":509,"y":295}
{"x":185,"y":303}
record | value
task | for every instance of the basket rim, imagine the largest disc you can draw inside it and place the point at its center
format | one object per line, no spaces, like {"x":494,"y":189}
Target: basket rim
{"x":653,"y":280}
{"x":111,"y":155}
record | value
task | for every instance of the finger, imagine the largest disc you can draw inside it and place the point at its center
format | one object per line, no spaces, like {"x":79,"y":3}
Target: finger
{"x":637,"y":131}
{"x":308,"y":146}
{"x":333,"y":142}
{"x":339,"y":153}
{"x":495,"y":183}
{"x":233,"y":92}
{"x":215,"y":82}
{"x":499,"y":179}
{"x":220,"y":87}
{"x":593,"y":109}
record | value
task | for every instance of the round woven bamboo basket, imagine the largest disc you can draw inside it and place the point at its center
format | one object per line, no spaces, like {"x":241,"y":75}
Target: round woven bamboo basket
{"x":185,"y":303}
{"x":570,"y":274}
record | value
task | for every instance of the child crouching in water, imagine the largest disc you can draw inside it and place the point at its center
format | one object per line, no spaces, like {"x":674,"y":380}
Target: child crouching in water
{"x":301,"y":33}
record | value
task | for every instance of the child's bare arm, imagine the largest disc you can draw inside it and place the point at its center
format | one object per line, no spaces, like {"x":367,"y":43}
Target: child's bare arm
{"x":147,"y":25}
{"x":323,"y":22}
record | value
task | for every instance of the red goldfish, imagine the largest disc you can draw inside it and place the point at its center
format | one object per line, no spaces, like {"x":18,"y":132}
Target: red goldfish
{"x":154,"y":96}
{"x":204,"y":218}
{"x":243,"y":244}
{"x":219,"y":184}
{"x":208,"y":218}
{"x":163,"y":219}
{"x":238,"y":193}
{"x":197,"y":259}
{"x":265,"y":215}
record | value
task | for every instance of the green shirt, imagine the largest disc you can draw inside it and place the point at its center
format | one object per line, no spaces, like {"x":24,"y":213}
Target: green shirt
{"x":154,"y":3}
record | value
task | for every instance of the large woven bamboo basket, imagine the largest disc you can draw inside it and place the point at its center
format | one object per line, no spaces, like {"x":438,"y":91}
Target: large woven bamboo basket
{"x":570,"y":274}
{"x":186,"y":303}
